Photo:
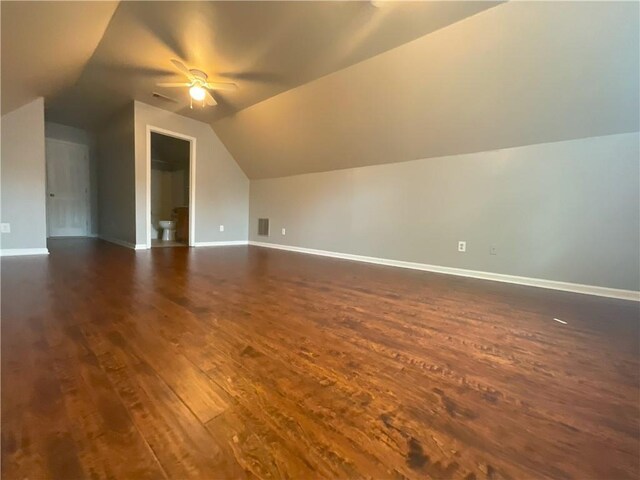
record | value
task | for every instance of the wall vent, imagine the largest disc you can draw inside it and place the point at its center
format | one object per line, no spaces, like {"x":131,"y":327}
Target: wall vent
{"x":159,"y":96}
{"x":263,"y":227}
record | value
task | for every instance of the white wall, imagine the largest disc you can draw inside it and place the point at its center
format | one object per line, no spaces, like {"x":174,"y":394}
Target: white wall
{"x":167,"y":193}
{"x":179,"y":189}
{"x":221,"y":190}
{"x":22,"y":167}
{"x":565,"y":211}
{"x":76,"y":135}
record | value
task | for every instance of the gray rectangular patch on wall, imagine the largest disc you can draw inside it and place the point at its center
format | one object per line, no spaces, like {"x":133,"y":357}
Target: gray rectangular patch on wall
{"x":263,"y":227}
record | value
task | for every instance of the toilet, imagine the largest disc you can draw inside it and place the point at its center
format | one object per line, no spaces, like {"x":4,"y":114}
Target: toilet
{"x":168,"y":230}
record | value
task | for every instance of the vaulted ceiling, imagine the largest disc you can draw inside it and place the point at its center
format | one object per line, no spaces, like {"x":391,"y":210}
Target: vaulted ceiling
{"x":264,"y":47}
{"x":46,"y":45}
{"x":328,"y":85}
{"x":518,"y":74}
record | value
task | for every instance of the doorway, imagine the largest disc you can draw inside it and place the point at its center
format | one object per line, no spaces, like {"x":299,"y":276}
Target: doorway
{"x":170,"y":186}
{"x":68,"y":204}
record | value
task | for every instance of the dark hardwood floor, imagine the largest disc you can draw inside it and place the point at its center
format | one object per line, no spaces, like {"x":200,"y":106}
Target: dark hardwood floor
{"x":241,"y":362}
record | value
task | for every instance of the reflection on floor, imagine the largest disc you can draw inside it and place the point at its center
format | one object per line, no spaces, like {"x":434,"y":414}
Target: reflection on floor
{"x":167,"y":243}
{"x":251,"y":363}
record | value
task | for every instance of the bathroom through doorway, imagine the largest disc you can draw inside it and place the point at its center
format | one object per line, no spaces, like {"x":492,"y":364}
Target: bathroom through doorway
{"x":170,"y":190}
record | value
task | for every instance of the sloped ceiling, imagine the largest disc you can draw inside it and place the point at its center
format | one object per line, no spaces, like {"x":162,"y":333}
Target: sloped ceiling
{"x":330,"y":85}
{"x":45,"y":46}
{"x":265,"y":47}
{"x":518,"y":74}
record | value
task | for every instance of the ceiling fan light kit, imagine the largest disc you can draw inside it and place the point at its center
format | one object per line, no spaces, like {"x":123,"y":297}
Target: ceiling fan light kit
{"x":197,"y":93}
{"x":199,"y":87}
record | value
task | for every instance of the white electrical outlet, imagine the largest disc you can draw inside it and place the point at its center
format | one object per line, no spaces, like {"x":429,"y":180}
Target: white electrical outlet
{"x":462,"y":246}
{"x":493,"y":250}
{"x":222,"y":228}
{"x":284,"y":231}
{"x":5,"y":228}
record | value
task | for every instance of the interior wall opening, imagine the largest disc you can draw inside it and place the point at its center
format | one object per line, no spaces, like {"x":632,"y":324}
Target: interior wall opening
{"x":170,"y":184}
{"x":71,"y":181}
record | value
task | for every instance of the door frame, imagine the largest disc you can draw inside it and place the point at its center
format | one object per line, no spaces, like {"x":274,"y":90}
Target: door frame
{"x":87,"y":150}
{"x":192,"y":180}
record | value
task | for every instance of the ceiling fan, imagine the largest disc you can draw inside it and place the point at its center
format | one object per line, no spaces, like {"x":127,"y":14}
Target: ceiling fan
{"x":199,"y":87}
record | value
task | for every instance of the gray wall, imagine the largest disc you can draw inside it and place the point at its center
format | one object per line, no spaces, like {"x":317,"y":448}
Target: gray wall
{"x":116,"y":178}
{"x":566,"y":211}
{"x":222,"y":188}
{"x":76,"y":135}
{"x":24,"y":177}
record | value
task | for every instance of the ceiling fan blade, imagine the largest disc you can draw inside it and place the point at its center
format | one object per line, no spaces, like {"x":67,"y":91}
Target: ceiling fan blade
{"x":181,"y":66}
{"x":210,"y":100}
{"x":173,"y":84}
{"x":221,"y":86}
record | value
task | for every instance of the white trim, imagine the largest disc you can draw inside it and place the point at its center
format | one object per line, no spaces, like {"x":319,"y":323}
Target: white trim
{"x":14,"y":252}
{"x":122,"y":243}
{"x":62,"y":237}
{"x":221,"y":244}
{"x":496,"y":277}
{"x":192,"y":180}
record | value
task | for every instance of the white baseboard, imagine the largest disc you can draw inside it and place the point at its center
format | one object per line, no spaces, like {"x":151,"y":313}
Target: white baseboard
{"x":14,"y":252}
{"x":143,"y":246}
{"x":122,"y":243}
{"x":496,"y":277}
{"x":221,"y":244}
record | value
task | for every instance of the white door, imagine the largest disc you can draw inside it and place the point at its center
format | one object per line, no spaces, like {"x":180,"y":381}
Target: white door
{"x":67,"y":189}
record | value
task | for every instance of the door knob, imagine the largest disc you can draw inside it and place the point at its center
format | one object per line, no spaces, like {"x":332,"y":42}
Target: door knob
{"x":52,"y":194}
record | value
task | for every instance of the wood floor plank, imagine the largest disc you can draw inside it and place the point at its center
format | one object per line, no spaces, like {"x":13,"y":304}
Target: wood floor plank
{"x":179,"y":440}
{"x":446,"y":407}
{"x":243,"y":362}
{"x":74,"y":425}
{"x":37,"y":438}
{"x":447,"y":404}
{"x":186,"y":379}
{"x":259,"y":448}
{"x":33,"y":428}
{"x":110,"y":445}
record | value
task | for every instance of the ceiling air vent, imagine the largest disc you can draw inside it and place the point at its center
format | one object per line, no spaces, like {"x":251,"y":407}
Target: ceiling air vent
{"x":263,"y":227}
{"x":159,"y":96}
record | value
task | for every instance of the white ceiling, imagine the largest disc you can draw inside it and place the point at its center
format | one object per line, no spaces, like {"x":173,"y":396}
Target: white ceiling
{"x":329,"y":85}
{"x":45,"y":46}
{"x":265,"y":47}
{"x":518,"y":74}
